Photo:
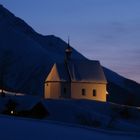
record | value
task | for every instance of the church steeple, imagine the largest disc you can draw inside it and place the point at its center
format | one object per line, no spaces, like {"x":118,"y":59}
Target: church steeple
{"x":68,"y":51}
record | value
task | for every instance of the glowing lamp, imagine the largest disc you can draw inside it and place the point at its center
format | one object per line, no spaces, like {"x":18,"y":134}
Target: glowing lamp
{"x":12,"y":112}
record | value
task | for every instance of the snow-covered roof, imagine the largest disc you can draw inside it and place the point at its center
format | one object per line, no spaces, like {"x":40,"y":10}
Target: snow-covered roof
{"x":23,"y":102}
{"x":26,"y":102}
{"x":77,"y":71}
{"x":86,"y":71}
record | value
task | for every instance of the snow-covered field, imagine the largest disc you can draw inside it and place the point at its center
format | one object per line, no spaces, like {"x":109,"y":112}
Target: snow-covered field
{"x":13,"y":128}
{"x":94,"y":114}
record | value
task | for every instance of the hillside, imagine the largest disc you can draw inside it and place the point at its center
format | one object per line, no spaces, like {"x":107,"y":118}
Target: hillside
{"x":26,"y":58}
{"x":105,"y":116}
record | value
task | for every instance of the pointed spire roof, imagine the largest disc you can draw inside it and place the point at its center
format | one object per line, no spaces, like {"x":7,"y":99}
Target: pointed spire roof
{"x":68,"y":49}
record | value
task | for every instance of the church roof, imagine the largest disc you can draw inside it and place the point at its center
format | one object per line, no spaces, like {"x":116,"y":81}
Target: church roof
{"x":78,"y":71}
{"x":58,"y":72}
{"x":86,"y":71}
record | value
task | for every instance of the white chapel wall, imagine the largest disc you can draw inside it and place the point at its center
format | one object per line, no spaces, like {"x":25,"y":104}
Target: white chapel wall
{"x":76,"y":91}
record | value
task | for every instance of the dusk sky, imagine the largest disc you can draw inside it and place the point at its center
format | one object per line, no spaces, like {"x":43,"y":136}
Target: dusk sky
{"x":105,"y":30}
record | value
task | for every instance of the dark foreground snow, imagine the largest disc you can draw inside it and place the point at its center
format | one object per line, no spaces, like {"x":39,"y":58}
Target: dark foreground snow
{"x":26,"y":129}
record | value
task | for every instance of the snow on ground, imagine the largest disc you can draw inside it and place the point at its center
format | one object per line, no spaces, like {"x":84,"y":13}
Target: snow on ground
{"x":24,"y":129}
{"x":88,"y":112}
{"x":96,"y":114}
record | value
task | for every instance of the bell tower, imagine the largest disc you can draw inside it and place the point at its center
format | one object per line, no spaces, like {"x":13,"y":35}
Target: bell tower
{"x":68,"y":51}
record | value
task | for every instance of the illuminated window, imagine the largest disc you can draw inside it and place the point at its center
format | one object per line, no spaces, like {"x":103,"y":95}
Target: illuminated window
{"x":83,"y":92}
{"x":94,"y":92}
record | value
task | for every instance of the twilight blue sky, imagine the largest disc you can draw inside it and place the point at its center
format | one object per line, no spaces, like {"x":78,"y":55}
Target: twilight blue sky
{"x":107,"y":30}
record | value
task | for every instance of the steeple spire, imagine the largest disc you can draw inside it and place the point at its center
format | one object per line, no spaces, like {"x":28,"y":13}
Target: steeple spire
{"x":68,"y":41}
{"x":68,"y":50}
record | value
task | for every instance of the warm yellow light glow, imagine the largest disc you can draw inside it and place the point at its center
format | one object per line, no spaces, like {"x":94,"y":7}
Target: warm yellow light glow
{"x":12,"y":112}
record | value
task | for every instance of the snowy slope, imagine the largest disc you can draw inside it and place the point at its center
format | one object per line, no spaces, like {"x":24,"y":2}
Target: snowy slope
{"x":103,"y":115}
{"x":26,"y":58}
{"x":94,"y":114}
{"x":122,"y":90}
{"x":21,"y":129}
{"x":22,"y":61}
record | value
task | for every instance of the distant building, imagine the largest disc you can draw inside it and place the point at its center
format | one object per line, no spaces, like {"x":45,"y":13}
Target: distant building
{"x":76,"y":79}
{"x":24,"y":106}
